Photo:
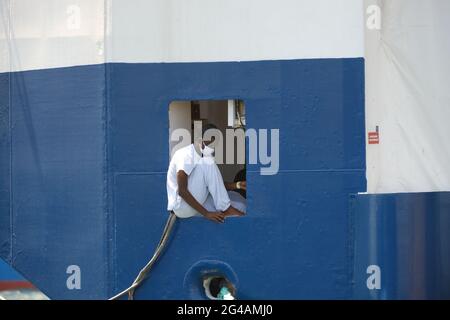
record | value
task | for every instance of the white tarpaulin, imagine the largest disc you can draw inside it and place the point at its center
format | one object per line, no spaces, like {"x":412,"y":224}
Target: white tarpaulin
{"x":51,"y":33}
{"x":408,"y":95}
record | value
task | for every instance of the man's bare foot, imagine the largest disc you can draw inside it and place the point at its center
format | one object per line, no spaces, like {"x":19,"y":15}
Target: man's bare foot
{"x":231,"y":211}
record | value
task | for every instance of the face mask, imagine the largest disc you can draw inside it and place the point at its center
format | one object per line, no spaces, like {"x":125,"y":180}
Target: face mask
{"x":207,"y":151}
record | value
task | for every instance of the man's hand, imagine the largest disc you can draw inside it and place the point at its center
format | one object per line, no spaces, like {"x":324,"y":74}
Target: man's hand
{"x":231,"y":211}
{"x":217,"y":217}
{"x":243,"y":185}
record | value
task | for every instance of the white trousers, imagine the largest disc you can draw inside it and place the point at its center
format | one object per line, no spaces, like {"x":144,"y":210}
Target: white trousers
{"x":206,"y":185}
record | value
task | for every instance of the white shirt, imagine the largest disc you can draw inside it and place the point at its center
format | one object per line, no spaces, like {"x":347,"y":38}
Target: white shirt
{"x":184,"y":159}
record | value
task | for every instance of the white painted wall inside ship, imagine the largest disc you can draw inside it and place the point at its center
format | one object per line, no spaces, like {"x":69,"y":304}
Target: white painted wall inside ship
{"x":59,"y":33}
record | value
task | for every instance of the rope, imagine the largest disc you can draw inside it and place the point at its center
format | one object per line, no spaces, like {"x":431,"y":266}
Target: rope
{"x":146,"y":270}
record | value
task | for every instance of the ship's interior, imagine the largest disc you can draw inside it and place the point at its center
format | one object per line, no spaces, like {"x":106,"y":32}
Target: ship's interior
{"x":224,"y":114}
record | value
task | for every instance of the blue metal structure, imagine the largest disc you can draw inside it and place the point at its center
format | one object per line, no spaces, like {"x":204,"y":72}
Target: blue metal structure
{"x":87,"y":149}
{"x":406,"y":236}
{"x":84,"y":153}
{"x":7,"y":273}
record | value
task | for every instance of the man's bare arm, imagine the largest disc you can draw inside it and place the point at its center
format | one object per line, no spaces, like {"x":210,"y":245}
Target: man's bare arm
{"x":182,"y":180}
{"x":233,"y":185}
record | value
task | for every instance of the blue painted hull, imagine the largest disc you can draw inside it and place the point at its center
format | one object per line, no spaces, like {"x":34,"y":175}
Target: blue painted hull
{"x":85,"y":151}
{"x":406,"y":235}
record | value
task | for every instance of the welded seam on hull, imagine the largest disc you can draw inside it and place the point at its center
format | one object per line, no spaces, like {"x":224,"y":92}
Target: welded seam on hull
{"x":125,"y":173}
{"x":351,"y":243}
{"x":11,"y":212}
{"x":107,"y":196}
